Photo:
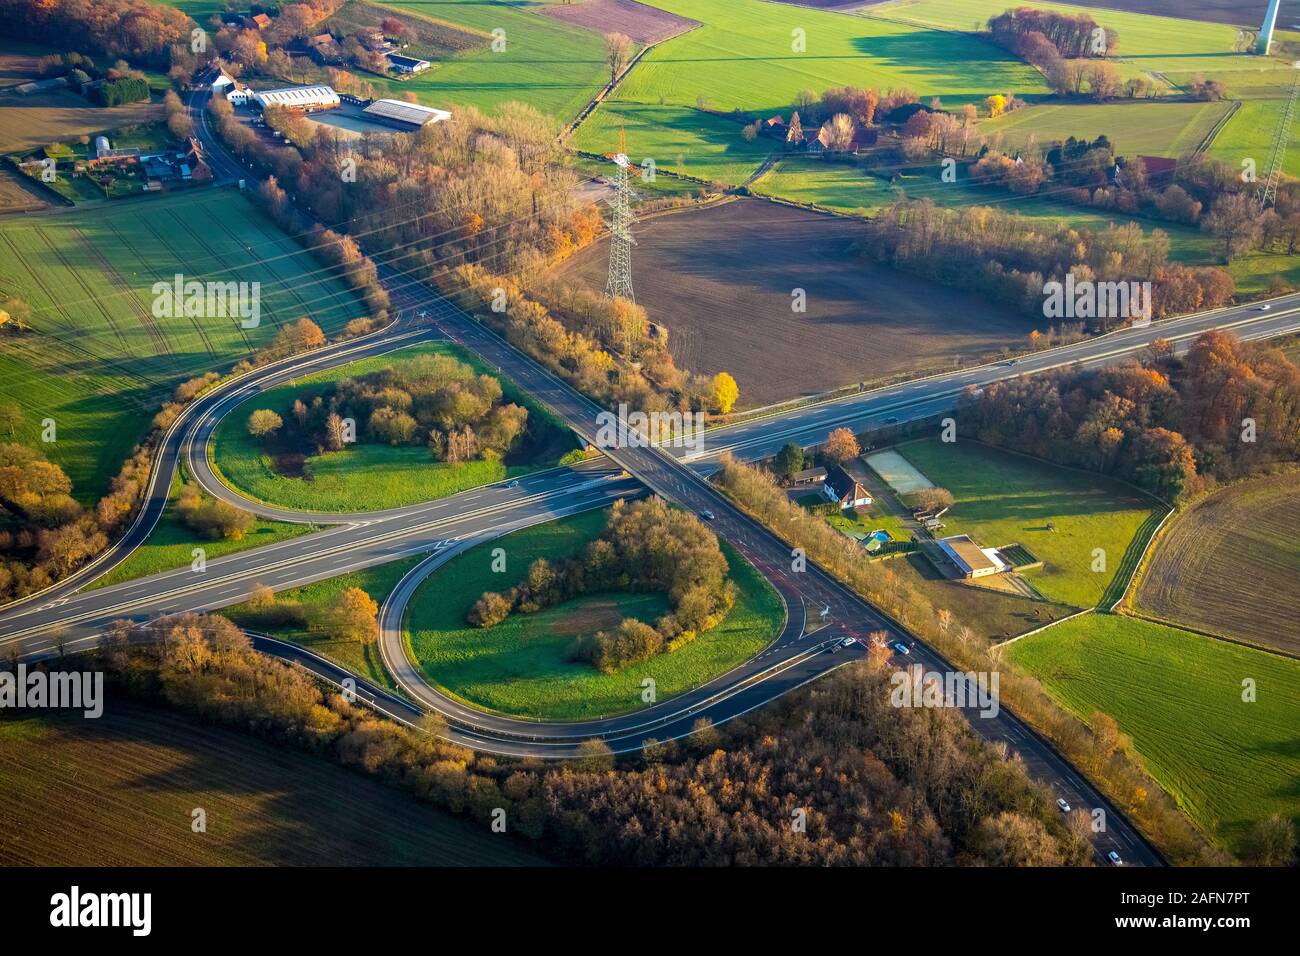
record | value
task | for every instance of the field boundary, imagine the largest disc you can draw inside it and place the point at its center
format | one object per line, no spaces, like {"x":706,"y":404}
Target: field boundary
{"x":1208,"y":139}
{"x":1138,"y":562}
{"x":995,"y":648}
{"x":608,"y":90}
{"x":1176,"y":625}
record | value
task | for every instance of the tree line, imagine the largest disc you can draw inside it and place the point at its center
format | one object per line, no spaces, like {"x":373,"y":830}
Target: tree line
{"x":912,"y":786}
{"x":1169,"y":424}
{"x":489,"y":225}
{"x":645,"y":546}
{"x":1010,"y":258}
{"x":135,"y":29}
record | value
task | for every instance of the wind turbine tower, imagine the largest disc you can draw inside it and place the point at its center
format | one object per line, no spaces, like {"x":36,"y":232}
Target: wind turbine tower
{"x":620,"y":228}
{"x":1266,"y":30}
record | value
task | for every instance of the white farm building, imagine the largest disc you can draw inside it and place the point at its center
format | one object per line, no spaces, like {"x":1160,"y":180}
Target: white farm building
{"x":304,"y":99}
{"x":406,"y":116}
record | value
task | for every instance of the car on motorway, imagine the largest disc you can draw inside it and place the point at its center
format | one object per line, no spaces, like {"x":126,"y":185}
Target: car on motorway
{"x":1265,"y":307}
{"x":901,"y":647}
{"x":707,"y":515}
{"x":891,"y":420}
{"x":1114,"y":859}
{"x":1060,"y":802}
{"x":848,"y":642}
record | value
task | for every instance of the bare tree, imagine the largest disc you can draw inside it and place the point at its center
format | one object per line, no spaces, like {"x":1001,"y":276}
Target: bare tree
{"x":618,"y":51}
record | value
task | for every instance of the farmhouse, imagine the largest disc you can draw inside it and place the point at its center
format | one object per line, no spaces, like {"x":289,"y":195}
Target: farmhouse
{"x":404,"y":116}
{"x":972,"y":560}
{"x":407,"y":64}
{"x":215,"y":78}
{"x":324,"y":49}
{"x":239,"y":94}
{"x":822,"y":143}
{"x":810,"y":476}
{"x":258,"y":21}
{"x":305,"y":99}
{"x":843,"y":488}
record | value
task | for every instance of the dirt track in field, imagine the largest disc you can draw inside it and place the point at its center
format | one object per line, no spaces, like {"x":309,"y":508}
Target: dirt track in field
{"x":1230,"y":565}
{"x":722,"y":280}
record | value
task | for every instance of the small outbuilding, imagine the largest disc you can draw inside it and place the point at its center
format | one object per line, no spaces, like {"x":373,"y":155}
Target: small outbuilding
{"x":972,"y":560}
{"x":407,"y":64}
{"x":809,"y":476}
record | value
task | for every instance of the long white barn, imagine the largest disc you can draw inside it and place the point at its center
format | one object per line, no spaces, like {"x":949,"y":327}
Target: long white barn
{"x":299,"y":98}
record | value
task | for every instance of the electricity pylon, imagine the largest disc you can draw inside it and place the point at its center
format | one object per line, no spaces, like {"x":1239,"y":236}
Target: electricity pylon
{"x":620,"y":228}
{"x":1266,"y":193}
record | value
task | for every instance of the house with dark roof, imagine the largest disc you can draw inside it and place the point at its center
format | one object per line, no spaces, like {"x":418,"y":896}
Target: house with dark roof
{"x":843,"y":488}
{"x":324,"y":49}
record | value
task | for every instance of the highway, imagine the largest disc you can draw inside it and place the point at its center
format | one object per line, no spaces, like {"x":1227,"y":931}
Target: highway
{"x":762,"y":435}
{"x":821,"y":613}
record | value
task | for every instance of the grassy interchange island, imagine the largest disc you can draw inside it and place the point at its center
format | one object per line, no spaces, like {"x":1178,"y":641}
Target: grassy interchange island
{"x":370,"y":475}
{"x":523,"y":667}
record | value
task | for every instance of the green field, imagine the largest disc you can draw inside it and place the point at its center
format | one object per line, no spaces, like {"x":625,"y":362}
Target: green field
{"x":548,"y":64}
{"x":1146,"y":42}
{"x":98,"y":361}
{"x":1166,"y":50}
{"x":1135,"y":128}
{"x":1002,"y":499}
{"x":1179,"y":696}
{"x":519,"y":666}
{"x":679,"y":139}
{"x":362,"y":659}
{"x":742,"y":59}
{"x":120,"y":791}
{"x":171,"y":544}
{"x":369,"y":476}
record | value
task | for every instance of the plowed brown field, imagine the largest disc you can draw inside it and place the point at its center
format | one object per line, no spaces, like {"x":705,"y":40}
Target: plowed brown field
{"x":722,"y":280}
{"x":120,"y":791}
{"x":1231,"y":565}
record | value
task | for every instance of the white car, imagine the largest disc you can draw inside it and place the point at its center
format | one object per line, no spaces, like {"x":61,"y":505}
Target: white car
{"x":848,"y":642}
{"x":1265,"y":307}
{"x":1060,"y":802}
{"x":1114,"y":858}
